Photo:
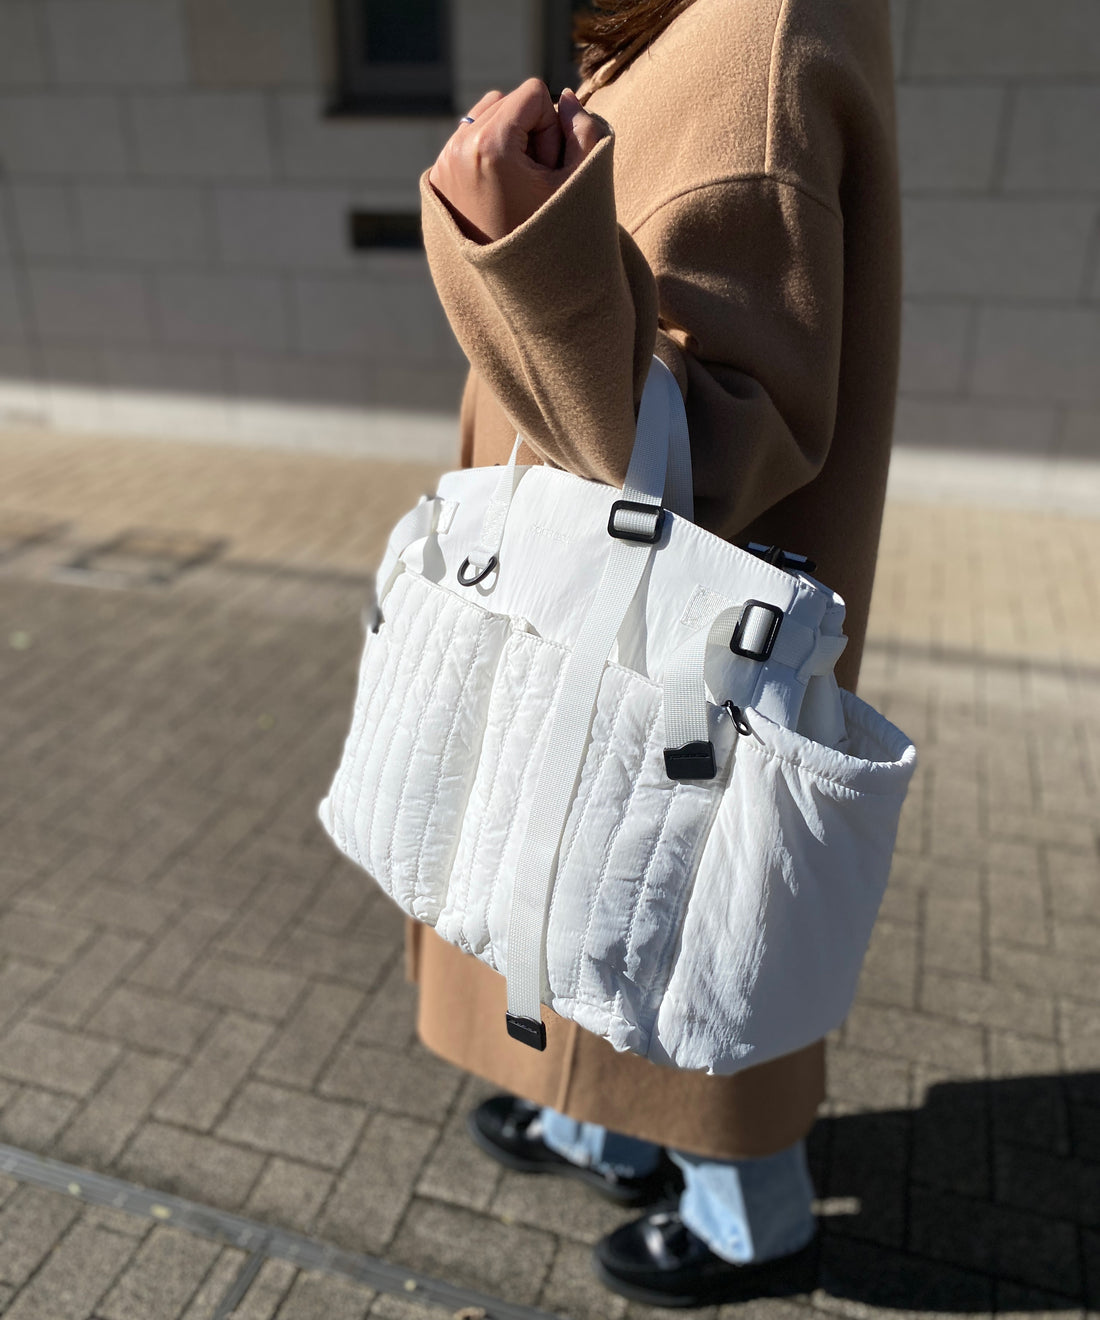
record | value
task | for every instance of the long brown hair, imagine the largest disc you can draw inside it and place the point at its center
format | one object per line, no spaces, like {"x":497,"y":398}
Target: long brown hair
{"x":618,"y":30}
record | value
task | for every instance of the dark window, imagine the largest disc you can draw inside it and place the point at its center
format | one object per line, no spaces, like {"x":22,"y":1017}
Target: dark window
{"x":394,"y":57}
{"x":559,"y":65}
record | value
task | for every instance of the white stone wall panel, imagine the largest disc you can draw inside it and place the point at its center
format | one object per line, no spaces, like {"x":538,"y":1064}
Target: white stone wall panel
{"x":73,"y":305}
{"x":147,"y":223}
{"x":116,"y":43}
{"x":947,"y":136}
{"x":1039,"y":353}
{"x":298,"y":228}
{"x":995,"y":247}
{"x":216,"y":136}
{"x":1006,"y":38}
{"x":1055,"y":140}
{"x":12,"y":322}
{"x":221,"y":310}
{"x":22,"y":58}
{"x":44,"y":220}
{"x":51,"y":135}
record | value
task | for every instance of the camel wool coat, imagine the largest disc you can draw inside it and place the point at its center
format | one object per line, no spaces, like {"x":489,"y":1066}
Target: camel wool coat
{"x":740,"y":219}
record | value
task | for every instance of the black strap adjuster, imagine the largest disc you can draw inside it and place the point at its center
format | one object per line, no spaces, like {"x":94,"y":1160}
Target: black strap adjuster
{"x":695,"y":760}
{"x":527,"y":1031}
{"x":655,"y":511}
{"x":750,"y":618}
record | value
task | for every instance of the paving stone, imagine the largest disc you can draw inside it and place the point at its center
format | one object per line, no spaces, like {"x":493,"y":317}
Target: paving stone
{"x":75,"y":1275}
{"x":1055,"y":974}
{"x":172,"y":958}
{"x":471,"y":1249}
{"x":57,"y":1060}
{"x":572,"y":1289}
{"x":374,"y":1190}
{"x":216,"y":1285}
{"x":162,"y":1277}
{"x":214,"y":1072}
{"x":150,"y":1021}
{"x":861,"y":1279}
{"x":1046,"y":1183}
{"x":289,"y":1194}
{"x":74,"y":994}
{"x":245,"y":987}
{"x":866,"y":1080}
{"x":34,"y":937}
{"x":361,"y":962}
{"x":951,"y":1139}
{"x":34,"y":1117}
{"x":105,"y":1124}
{"x":967,"y":999}
{"x":19,"y":983}
{"x":303,"y":1045}
{"x":1011,"y":1055}
{"x":390,"y":1019}
{"x":32,"y":1220}
{"x":293,"y":1123}
{"x":258,"y":925}
{"x":557,"y":1205}
{"x":388,"y":1306}
{"x":266,"y":1295}
{"x":953,"y":935}
{"x":868,"y":1164}
{"x":890,"y":966}
{"x":906,"y":1035}
{"x":993,"y":1239}
{"x":1017,"y":1300}
{"x":415,"y":1083}
{"x":201,"y":1168}
{"x":457,"y":1170}
{"x":315,"y":1296}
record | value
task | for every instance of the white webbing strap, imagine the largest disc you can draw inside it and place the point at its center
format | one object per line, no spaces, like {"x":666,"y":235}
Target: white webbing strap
{"x":496,"y":514}
{"x":808,"y":652}
{"x":685,"y":694}
{"x":420,"y":521}
{"x":679,"y":490}
{"x":569,"y":728}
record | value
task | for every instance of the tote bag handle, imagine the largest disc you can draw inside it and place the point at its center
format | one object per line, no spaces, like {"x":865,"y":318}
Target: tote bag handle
{"x":659,"y":470}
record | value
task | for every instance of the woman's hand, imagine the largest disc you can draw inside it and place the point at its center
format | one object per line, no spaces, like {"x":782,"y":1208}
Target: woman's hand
{"x":496,"y":172}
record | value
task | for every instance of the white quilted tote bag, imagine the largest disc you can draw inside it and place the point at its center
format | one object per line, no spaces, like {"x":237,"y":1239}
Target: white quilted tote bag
{"x":603,"y":751}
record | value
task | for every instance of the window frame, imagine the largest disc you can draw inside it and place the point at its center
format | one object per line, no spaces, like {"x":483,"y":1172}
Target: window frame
{"x":413,"y":88}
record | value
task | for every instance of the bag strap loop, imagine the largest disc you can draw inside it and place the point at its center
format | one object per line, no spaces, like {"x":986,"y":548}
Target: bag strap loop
{"x":659,"y":471}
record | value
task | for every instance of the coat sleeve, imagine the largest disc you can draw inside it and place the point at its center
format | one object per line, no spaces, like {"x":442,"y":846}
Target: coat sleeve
{"x":736,"y":284}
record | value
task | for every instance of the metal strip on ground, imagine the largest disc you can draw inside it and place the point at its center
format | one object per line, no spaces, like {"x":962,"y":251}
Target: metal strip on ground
{"x":262,"y":1240}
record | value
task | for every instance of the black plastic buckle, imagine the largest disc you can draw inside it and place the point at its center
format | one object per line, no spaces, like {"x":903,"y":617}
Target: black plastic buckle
{"x":644,"y":538}
{"x":787,"y":560}
{"x":773,"y":632}
{"x":527,"y":1031}
{"x":695,"y":760}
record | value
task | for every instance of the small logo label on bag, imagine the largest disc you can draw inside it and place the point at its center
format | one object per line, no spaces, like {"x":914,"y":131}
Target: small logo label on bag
{"x":539,"y":529}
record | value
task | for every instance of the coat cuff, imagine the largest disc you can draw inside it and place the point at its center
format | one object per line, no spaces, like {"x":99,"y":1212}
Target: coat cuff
{"x":584,"y":203}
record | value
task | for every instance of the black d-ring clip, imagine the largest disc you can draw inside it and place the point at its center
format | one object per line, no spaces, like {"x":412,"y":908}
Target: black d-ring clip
{"x":480,"y":577}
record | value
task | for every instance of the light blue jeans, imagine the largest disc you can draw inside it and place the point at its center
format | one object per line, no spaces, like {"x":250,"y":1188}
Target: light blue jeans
{"x":744,"y":1210}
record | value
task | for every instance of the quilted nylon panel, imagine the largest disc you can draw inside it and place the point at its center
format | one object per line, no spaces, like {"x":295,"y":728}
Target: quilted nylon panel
{"x":416,"y":734}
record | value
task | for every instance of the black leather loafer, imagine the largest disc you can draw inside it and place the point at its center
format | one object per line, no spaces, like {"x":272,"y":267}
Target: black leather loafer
{"x":658,"y":1260}
{"x":508,"y":1129}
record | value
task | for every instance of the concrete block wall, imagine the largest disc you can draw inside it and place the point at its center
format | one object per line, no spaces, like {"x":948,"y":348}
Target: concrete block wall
{"x":999,"y":132}
{"x":174,"y":256}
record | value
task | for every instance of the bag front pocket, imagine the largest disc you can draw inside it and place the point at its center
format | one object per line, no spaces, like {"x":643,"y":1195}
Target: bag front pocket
{"x":628,"y":850}
{"x":787,"y":893}
{"x":398,"y":797}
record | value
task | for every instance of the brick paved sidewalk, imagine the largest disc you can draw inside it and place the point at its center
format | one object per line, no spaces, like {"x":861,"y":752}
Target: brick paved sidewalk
{"x":199,"y":996}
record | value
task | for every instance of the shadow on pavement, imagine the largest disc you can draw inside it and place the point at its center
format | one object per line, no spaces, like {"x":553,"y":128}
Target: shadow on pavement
{"x":988,"y":1196}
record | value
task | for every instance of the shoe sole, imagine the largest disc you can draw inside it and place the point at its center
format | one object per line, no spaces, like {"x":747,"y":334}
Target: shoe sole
{"x":628,"y":1199}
